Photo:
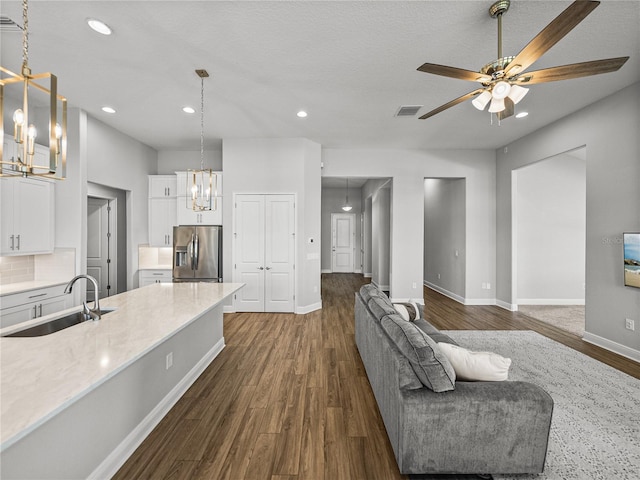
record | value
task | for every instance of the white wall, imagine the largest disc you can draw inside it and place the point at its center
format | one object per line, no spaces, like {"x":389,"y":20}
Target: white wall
{"x":444,"y":236}
{"x":118,"y":161}
{"x":609,"y":129}
{"x":279,"y":166}
{"x":550,"y":212}
{"x":409,"y":168}
{"x":381,"y":233}
{"x":332,"y":201}
{"x":171,"y":161}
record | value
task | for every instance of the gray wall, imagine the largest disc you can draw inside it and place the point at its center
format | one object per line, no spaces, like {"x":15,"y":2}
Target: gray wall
{"x":287,"y":165}
{"x":171,"y":161}
{"x":332,"y":201}
{"x":444,"y":236}
{"x":609,"y":129}
{"x":408,"y":169}
{"x":550,"y":213}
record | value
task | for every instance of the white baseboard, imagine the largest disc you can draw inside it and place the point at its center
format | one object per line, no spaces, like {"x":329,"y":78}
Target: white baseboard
{"x":551,"y":301}
{"x":228,"y":309}
{"x":612,"y":346}
{"x":479,"y":301}
{"x":367,"y":275}
{"x":507,"y":306}
{"x":309,"y":308}
{"x":326,"y":271}
{"x":125,"y":449}
{"x":446,"y":293}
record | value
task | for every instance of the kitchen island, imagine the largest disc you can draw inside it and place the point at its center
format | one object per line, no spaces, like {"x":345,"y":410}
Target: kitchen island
{"x":76,"y":403}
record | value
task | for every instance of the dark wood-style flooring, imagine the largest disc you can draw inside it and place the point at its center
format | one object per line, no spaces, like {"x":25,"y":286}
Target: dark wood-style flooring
{"x":288,"y":397}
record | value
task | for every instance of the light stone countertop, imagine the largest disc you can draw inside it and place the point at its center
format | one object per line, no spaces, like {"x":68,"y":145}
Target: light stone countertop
{"x":20,"y":287}
{"x":41,"y":376}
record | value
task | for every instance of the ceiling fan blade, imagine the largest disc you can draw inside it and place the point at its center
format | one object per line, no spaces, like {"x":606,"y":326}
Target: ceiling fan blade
{"x":509,"y":109}
{"x":550,"y":35}
{"x":454,"y":72}
{"x":452,"y":103}
{"x":575,"y":70}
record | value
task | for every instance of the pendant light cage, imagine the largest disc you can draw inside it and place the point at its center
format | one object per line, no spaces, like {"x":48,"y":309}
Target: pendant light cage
{"x":39,"y":117}
{"x":203,"y":183}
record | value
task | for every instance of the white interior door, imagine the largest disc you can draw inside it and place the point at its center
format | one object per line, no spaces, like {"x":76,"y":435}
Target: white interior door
{"x":279,"y":253}
{"x":98,"y":240}
{"x":264,"y":252}
{"x":249,"y":252}
{"x":342,"y":242}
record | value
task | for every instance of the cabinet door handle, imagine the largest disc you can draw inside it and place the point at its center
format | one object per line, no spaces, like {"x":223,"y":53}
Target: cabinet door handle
{"x":35,"y":311}
{"x":40,"y":309}
{"x":18,"y":242}
{"x":168,"y":191}
{"x":12,"y":241}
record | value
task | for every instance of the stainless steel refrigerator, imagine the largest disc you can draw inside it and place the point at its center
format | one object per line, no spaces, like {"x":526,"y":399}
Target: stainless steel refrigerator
{"x":197,"y":254}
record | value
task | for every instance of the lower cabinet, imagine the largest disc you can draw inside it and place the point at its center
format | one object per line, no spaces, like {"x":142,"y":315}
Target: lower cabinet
{"x":149,"y":277}
{"x":24,"y":306}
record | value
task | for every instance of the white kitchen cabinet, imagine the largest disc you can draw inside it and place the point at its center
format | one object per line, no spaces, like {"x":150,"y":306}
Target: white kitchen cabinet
{"x":162,"y":209}
{"x":149,"y":277}
{"x":187,"y":216}
{"x":27,"y":216}
{"x":162,"y":186}
{"x":24,"y":306}
{"x":162,"y":218}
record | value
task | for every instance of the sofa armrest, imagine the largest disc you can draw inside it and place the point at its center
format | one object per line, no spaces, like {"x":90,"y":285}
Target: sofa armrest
{"x":480,"y":427}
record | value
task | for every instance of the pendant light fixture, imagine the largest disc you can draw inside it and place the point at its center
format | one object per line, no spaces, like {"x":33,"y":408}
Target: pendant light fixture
{"x":40,"y":114}
{"x":347,"y":206}
{"x":203,"y":183}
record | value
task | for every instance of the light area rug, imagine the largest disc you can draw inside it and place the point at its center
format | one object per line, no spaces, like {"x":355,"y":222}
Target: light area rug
{"x":595,"y":429}
{"x":567,"y":317}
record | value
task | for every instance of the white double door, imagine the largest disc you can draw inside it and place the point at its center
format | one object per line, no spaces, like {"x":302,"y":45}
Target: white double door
{"x":264,"y":250}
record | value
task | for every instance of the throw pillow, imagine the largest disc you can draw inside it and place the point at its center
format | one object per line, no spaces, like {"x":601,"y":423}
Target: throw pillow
{"x":476,"y":366}
{"x":409,"y":311}
{"x":428,"y":362}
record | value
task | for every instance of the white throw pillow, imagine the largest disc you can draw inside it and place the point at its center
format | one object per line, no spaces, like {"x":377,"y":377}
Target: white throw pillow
{"x":476,"y":366}
{"x":409,"y":311}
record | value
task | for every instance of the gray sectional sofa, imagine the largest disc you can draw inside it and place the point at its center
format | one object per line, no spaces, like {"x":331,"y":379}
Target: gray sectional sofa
{"x":436,"y":424}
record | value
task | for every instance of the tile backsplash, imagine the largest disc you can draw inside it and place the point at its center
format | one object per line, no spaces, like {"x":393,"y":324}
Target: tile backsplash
{"x":17,"y":269}
{"x":59,"y":265}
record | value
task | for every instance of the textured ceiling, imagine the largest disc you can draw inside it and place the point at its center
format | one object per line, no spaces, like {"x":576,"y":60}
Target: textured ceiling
{"x":349,"y":64}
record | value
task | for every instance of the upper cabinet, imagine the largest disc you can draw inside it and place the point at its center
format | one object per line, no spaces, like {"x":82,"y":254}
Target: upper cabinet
{"x":162,"y":210}
{"x":162,"y":186}
{"x":27,"y":216}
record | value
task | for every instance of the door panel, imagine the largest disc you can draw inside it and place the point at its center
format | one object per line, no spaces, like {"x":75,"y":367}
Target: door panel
{"x":249,"y":252}
{"x":98,"y":245}
{"x":342,"y":242}
{"x":279,"y":257}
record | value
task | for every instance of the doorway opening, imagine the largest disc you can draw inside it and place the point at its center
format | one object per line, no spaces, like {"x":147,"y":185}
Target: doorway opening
{"x":106,"y":240}
{"x":549,"y":240}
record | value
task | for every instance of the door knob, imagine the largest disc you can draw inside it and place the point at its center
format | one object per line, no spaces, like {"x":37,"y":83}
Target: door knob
{"x":268,"y":268}
{"x":260,"y":268}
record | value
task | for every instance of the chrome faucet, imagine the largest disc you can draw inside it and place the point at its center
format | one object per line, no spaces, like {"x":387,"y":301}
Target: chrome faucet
{"x":93,"y":313}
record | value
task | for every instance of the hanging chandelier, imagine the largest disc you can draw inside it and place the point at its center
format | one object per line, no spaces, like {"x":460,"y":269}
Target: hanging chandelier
{"x":203,"y":183}
{"x":347,"y":206}
{"x":38,"y":113}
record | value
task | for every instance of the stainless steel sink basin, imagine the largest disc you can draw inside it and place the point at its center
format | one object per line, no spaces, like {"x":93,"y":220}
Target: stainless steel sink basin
{"x":56,"y":324}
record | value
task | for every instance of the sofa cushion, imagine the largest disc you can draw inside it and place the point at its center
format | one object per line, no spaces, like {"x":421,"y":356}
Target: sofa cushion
{"x":429,"y":363}
{"x":435,"y":334}
{"x":380,"y":307}
{"x":476,"y":366}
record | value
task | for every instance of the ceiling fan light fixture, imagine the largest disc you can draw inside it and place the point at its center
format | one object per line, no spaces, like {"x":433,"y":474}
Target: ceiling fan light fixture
{"x":497,"y":105}
{"x":501,"y":90}
{"x":481,"y":100}
{"x":517,"y":93}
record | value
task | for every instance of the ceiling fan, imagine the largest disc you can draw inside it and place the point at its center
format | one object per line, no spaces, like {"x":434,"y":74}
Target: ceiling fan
{"x":503,"y":79}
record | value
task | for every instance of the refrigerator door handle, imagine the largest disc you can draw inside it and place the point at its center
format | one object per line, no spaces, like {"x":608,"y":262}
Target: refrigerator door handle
{"x":190,"y":253}
{"x":196,"y":251}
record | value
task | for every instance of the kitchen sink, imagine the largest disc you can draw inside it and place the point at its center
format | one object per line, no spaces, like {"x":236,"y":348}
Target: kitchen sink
{"x":56,"y":324}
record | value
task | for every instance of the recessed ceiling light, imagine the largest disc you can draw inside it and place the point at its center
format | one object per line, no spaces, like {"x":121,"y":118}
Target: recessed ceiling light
{"x":108,"y":110}
{"x":522,"y":114}
{"x":188,"y":110}
{"x":99,"y":26}
{"x":302,"y":114}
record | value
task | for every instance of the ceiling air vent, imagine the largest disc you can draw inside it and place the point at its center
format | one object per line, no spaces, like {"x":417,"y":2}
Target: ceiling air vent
{"x":408,"y":110}
{"x":8,"y":25}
